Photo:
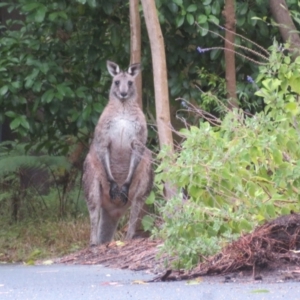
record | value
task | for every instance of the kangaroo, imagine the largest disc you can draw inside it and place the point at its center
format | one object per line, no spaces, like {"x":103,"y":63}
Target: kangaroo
{"x":117,"y":171}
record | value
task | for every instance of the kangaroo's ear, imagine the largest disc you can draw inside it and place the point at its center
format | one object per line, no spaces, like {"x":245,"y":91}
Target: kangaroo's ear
{"x":112,"y":68}
{"x":134,"y":69}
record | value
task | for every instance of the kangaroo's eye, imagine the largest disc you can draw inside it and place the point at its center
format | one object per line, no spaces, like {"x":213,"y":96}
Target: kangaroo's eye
{"x":117,"y":82}
{"x":129,"y":83}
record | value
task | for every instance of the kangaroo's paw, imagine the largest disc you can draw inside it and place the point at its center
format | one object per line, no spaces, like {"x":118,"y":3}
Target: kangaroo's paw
{"x":114,"y":190}
{"x":124,"y":193}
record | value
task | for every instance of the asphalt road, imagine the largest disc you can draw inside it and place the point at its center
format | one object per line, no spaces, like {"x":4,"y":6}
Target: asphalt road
{"x":65,"y":282}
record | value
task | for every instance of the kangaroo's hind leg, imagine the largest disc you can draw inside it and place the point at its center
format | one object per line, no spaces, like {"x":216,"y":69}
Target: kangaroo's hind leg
{"x":108,"y":226}
{"x":139,"y":191}
{"x":92,"y":191}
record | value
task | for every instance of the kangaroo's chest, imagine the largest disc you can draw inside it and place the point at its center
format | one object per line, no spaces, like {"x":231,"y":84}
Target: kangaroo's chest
{"x":123,"y":131}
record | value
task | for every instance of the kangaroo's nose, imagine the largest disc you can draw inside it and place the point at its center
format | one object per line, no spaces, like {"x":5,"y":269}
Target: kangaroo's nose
{"x":123,"y":94}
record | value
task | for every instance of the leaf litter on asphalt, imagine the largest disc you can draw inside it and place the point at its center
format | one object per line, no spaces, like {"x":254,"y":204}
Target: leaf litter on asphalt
{"x":260,"y":291}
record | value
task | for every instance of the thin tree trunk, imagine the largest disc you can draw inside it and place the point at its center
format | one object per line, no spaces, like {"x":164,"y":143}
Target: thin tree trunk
{"x":229,"y":14}
{"x":135,"y":43}
{"x":287,"y":28}
{"x":135,"y":57}
{"x":159,"y":66}
{"x":162,"y":104}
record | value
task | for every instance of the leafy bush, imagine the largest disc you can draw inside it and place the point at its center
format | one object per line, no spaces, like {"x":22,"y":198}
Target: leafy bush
{"x":238,"y":174}
{"x":37,"y":187}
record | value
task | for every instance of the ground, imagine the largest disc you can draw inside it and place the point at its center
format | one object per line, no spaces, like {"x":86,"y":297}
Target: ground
{"x":270,"y":253}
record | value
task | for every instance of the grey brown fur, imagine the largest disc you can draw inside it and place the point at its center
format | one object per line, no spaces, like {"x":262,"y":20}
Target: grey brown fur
{"x":117,"y":170}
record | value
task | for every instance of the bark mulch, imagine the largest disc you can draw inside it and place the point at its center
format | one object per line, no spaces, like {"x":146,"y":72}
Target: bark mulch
{"x":271,"y":248}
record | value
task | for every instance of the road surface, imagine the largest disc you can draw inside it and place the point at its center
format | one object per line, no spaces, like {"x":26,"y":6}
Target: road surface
{"x":78,"y":282}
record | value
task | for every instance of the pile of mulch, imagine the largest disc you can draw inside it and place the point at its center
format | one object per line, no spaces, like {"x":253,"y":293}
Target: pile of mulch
{"x":271,"y":247}
{"x":137,"y":254}
{"x":275,"y":242}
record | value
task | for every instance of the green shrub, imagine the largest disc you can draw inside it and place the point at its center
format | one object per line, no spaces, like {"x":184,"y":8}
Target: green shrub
{"x":237,"y":174}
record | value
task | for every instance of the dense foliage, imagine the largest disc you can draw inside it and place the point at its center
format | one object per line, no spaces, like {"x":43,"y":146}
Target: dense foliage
{"x":233,"y":173}
{"x":51,"y":68}
{"x":238,"y":174}
{"x":53,"y":82}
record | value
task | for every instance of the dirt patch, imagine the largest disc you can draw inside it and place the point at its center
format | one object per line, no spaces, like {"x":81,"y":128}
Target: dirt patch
{"x":270,"y":252}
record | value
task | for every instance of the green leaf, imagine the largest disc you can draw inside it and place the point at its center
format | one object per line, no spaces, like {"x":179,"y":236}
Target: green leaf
{"x":24,"y":122}
{"x":64,"y":90}
{"x":63,"y":15}
{"x":294,"y":83}
{"x":190,"y":19}
{"x":151,"y":199}
{"x":3,"y":90}
{"x":243,"y":8}
{"x":271,"y":84}
{"x":92,"y":3}
{"x":16,"y":85}
{"x":33,"y":74}
{"x":11,"y":114}
{"x":241,"y":21}
{"x":297,"y":60}
{"x":179,"y":20}
{"x":292,"y":107}
{"x":216,"y":8}
{"x":40,"y":14}
{"x":204,"y":29}
{"x":202,"y":19}
{"x":270,"y":210}
{"x":108,"y":7}
{"x":15,"y":123}
{"x":31,"y":6}
{"x":86,"y":112}
{"x":98,"y":107}
{"x":213,"y":19}
{"x":44,"y":68}
{"x":206,"y":2}
{"x":48,"y":96}
{"x":3,"y":4}
{"x":53,"y":16}
{"x":173,"y":7}
{"x":148,"y":222}
{"x":178,"y":2}
{"x":245,"y":226}
{"x":215,"y":53}
{"x":191,"y":8}
{"x":251,"y":18}
{"x":81,"y":92}
{"x":277,"y":156}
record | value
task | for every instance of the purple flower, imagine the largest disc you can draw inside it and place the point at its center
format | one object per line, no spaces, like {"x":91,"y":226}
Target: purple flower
{"x":250,"y":79}
{"x":183,"y":104}
{"x":202,"y":50}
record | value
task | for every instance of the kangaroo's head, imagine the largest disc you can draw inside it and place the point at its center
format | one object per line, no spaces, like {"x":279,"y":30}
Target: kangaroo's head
{"x":123,"y":85}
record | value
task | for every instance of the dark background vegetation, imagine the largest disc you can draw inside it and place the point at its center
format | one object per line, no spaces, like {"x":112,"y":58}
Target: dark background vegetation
{"x":54,"y":85}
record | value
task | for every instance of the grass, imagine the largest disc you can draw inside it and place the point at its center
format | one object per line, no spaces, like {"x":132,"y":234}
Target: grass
{"x":28,"y":241}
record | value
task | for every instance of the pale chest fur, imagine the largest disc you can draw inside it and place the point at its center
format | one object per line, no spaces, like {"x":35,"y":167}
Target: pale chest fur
{"x":119,"y":131}
{"x":123,"y":131}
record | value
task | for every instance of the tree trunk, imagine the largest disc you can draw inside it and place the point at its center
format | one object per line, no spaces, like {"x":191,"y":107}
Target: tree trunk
{"x":135,"y":43}
{"x":162,"y":104}
{"x":287,"y":28}
{"x":159,"y":66}
{"x":229,"y":14}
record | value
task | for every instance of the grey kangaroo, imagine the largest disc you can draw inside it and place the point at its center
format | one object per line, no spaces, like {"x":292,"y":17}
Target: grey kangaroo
{"x":117,"y":171}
